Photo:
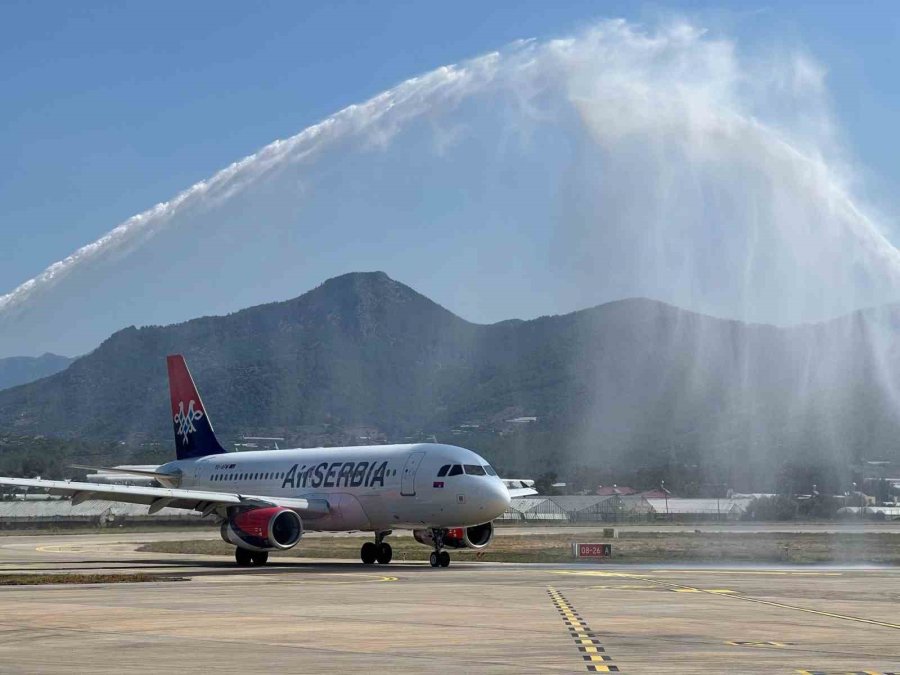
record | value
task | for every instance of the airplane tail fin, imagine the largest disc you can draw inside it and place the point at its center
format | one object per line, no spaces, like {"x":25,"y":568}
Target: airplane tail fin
{"x":194,"y":436}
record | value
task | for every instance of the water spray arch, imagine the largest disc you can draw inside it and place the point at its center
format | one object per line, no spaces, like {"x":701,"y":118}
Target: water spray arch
{"x":547,"y":176}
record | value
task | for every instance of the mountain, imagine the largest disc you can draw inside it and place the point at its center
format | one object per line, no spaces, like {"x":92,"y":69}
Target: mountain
{"x":17,"y":370}
{"x":634,"y":383}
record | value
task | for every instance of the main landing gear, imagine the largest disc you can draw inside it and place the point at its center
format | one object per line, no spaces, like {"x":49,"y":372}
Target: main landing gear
{"x":439,"y":557}
{"x":378,"y":551}
{"x":246,"y":558}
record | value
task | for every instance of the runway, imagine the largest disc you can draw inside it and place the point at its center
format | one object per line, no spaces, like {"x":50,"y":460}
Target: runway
{"x":305,"y":616}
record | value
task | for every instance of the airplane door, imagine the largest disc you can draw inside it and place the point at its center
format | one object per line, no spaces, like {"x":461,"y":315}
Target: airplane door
{"x":408,"y":479}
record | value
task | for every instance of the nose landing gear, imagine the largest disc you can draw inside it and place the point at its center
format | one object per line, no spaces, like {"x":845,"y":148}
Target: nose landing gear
{"x":439,"y":557}
{"x":384,"y":553}
{"x":379,"y":550}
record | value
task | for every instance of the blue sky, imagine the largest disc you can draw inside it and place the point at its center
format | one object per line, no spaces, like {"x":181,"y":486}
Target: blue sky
{"x":108,"y":108}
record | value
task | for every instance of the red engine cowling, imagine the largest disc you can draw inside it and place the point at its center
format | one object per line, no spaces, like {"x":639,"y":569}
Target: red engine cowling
{"x":477,"y":536}
{"x":264,"y":529}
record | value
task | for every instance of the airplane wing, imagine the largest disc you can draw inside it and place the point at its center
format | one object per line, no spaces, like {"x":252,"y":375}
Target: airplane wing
{"x":159,"y":498}
{"x":522,"y":492}
{"x":519,"y":487}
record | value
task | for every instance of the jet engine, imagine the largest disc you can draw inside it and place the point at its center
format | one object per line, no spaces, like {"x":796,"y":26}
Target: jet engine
{"x":477,"y":536}
{"x":263,"y":529}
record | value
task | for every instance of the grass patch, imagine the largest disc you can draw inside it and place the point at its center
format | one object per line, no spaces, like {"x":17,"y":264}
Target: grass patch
{"x":43,"y":579}
{"x":63,"y":530}
{"x":631,"y":547}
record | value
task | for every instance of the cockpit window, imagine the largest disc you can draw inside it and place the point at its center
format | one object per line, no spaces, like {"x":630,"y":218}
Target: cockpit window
{"x":490,"y":470}
{"x":474,"y":469}
{"x":444,"y":470}
{"x":455,"y":470}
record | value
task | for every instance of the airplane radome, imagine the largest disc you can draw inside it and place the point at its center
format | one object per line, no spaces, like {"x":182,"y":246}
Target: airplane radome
{"x":265,"y":500}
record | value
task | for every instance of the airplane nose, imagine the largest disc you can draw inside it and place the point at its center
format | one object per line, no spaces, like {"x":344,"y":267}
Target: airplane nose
{"x":498,"y":498}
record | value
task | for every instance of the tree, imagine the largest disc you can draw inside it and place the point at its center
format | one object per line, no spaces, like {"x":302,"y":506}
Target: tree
{"x":779,"y":507}
{"x":544,"y":483}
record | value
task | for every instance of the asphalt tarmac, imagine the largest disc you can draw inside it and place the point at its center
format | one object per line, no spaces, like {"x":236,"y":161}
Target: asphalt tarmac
{"x":313,"y":616}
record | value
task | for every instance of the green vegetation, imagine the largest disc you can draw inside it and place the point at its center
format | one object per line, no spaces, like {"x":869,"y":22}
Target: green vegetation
{"x":64,"y":530}
{"x":47,"y":457}
{"x":771,"y":509}
{"x":631,"y":547}
{"x":43,"y":579}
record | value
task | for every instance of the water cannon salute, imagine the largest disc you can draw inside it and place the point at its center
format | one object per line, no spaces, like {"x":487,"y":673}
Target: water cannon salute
{"x":639,"y":274}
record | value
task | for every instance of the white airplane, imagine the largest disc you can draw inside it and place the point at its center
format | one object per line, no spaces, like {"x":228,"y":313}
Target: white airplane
{"x":264,"y":500}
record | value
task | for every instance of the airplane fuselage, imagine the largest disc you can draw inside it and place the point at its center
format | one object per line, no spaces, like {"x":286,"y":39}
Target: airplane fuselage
{"x":371,"y":488}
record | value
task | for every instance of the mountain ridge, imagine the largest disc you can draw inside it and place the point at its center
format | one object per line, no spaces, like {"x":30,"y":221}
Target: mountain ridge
{"x":16,"y":370}
{"x":632,"y":381}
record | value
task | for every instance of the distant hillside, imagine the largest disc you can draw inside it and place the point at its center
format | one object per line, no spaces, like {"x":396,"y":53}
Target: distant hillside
{"x":631,"y":383}
{"x":17,"y":370}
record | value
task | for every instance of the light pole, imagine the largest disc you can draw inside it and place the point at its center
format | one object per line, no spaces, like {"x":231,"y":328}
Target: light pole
{"x":719,"y":487}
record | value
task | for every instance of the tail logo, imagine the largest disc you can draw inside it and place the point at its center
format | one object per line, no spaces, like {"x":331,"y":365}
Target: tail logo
{"x":184,"y":422}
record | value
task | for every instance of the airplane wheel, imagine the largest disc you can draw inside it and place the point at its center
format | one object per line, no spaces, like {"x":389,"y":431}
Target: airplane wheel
{"x":444,"y":559}
{"x":368,"y":553}
{"x":243,"y":557}
{"x":384,"y":553}
{"x":434,"y":559}
{"x":260,"y":557}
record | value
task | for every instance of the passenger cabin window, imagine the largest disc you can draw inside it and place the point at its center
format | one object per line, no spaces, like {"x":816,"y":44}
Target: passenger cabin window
{"x":455,"y":470}
{"x":474,"y":469}
{"x":444,"y":470}
{"x":490,"y":470}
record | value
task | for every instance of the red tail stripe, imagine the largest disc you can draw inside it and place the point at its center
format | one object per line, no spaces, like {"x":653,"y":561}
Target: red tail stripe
{"x":181,"y":385}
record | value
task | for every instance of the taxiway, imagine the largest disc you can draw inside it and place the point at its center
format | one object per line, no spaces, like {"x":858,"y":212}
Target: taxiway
{"x":305,"y":616}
